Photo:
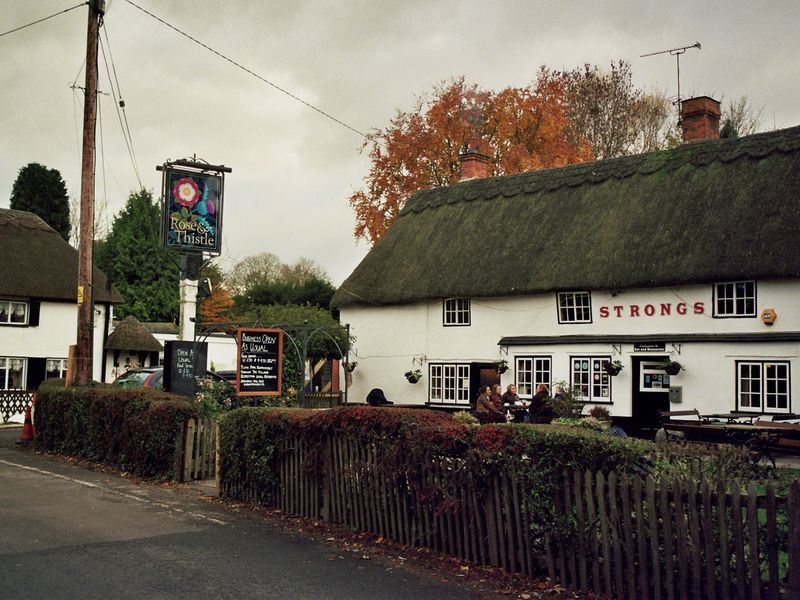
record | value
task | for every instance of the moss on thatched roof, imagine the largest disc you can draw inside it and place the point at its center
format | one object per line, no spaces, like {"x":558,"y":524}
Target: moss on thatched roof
{"x":706,"y":211}
{"x":36,"y":262}
{"x":130,"y":334}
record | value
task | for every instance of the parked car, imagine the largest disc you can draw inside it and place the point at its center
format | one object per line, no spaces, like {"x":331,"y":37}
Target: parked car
{"x":148,"y":377}
{"x":228,"y":375}
{"x":153,"y":377}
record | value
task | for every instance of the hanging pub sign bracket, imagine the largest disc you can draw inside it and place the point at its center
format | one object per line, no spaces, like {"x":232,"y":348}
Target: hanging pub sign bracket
{"x":191,"y":206}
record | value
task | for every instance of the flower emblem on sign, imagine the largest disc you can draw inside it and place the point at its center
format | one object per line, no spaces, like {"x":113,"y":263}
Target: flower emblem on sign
{"x":186,"y":192}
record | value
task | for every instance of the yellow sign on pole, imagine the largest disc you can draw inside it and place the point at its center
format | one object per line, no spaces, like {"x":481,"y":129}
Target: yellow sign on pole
{"x":80,"y":294}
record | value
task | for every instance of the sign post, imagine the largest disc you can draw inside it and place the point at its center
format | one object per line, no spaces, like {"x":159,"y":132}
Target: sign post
{"x":191,"y":216}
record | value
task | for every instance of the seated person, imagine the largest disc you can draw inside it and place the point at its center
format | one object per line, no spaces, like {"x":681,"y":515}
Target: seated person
{"x":510,"y":396}
{"x":540,"y":409}
{"x":511,"y":399}
{"x":496,"y":397}
{"x":376,"y":397}
{"x":485,"y":409}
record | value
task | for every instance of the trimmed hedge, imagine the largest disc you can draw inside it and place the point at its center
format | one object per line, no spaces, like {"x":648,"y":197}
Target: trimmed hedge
{"x":132,"y":430}
{"x":405,"y":439}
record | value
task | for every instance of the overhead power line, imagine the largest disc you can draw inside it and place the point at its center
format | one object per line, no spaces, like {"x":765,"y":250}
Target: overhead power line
{"x":61,"y":12}
{"x":119,"y":103}
{"x":246,"y":70}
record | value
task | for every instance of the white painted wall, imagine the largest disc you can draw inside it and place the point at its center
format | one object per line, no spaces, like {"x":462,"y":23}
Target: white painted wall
{"x":394,"y":339}
{"x":56,"y":332}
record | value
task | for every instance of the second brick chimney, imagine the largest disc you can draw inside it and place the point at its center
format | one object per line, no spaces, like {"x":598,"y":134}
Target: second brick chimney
{"x":700,"y":119}
{"x":474,"y":165}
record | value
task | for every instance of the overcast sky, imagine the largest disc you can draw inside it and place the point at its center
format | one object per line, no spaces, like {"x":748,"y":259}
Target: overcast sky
{"x":359,"y":61}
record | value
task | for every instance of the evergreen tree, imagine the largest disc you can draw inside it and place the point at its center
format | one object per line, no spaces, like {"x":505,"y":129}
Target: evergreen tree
{"x":144,"y":272}
{"x":43,"y":192}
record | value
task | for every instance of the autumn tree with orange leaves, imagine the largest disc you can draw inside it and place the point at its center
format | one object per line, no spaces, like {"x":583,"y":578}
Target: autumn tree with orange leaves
{"x":520,"y":129}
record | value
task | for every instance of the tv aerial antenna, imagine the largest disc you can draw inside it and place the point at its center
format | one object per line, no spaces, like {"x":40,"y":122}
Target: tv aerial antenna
{"x":676,"y":52}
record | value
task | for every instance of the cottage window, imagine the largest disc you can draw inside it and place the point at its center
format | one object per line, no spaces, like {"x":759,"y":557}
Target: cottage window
{"x":763,"y":386}
{"x":456,"y":312}
{"x":530,"y":372}
{"x":12,"y":373}
{"x":574,"y":307}
{"x":589,"y":379}
{"x":449,"y":384}
{"x":56,"y":368}
{"x":13,"y":313}
{"x":735,"y":299}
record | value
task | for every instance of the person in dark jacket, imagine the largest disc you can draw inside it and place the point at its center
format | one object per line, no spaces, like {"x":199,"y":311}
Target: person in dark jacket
{"x":376,"y":397}
{"x":540,"y":409}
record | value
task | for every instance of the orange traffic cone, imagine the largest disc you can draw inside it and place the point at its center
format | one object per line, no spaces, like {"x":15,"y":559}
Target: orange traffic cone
{"x":26,"y":437}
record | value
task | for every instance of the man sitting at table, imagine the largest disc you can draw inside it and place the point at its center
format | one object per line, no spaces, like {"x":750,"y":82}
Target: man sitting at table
{"x":540,"y":409}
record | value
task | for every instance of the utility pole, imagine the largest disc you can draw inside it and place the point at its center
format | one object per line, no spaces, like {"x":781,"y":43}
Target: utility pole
{"x":85,"y":334}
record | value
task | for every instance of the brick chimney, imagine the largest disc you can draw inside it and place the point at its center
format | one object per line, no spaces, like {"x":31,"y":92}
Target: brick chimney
{"x":474,"y":165}
{"x":700,"y":119}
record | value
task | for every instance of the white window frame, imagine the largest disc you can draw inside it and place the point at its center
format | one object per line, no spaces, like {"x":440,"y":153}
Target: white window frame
{"x":731,"y":299}
{"x":61,"y":368}
{"x":589,"y":379}
{"x":8,"y":307}
{"x":456,"y":312}
{"x":449,"y":383}
{"x":5,"y":374}
{"x":758,"y":386}
{"x":530,"y":371}
{"x":574,"y":307}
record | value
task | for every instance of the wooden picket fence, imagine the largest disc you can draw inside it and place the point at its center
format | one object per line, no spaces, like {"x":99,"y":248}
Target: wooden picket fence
{"x":636,"y":538}
{"x":197,"y":455}
{"x":617,"y":537}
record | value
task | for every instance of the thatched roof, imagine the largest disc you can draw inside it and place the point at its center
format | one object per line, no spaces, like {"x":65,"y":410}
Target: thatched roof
{"x":705,"y":211}
{"x":36,"y":262}
{"x":130,"y":334}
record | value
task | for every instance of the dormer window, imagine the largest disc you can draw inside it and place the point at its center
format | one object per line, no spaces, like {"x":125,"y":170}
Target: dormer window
{"x":735,"y":299}
{"x":574,"y":307}
{"x":456,"y":312}
{"x":13,"y":313}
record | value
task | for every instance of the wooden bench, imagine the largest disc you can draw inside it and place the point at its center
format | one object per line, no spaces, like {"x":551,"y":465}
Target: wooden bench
{"x":784,"y":437}
{"x":694,"y":428}
{"x":668,"y":415}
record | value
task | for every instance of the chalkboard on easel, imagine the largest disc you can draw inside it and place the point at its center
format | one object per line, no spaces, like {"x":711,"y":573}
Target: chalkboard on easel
{"x":259,"y":362}
{"x":184,"y":363}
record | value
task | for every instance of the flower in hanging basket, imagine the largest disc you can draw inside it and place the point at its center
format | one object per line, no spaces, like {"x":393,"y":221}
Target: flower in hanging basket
{"x":501,"y":366}
{"x":672,"y":367}
{"x":350,"y":366}
{"x":413,"y":376}
{"x":613,"y":367}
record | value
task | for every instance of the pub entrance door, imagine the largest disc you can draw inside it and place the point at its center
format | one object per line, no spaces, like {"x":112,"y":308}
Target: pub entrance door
{"x":650,"y":394}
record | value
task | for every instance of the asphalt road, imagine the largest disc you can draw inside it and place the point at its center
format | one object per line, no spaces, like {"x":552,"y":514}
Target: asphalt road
{"x":69,"y":532}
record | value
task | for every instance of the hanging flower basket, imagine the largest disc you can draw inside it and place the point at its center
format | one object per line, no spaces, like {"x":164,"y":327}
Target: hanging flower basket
{"x":350,"y":366}
{"x":613,"y":367}
{"x":672,"y":367}
{"x":501,"y":366}
{"x":413,"y":376}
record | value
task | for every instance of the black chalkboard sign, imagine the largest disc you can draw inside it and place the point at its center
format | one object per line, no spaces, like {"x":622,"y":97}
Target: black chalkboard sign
{"x":184,"y":363}
{"x":259,"y":362}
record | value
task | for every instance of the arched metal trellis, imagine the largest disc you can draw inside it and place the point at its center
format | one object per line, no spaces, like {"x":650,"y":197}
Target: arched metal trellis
{"x":299,"y":334}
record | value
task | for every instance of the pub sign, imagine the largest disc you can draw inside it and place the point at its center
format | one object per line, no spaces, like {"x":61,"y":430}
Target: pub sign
{"x":192,"y":210}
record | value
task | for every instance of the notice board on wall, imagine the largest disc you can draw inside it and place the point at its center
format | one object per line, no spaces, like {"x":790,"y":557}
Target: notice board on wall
{"x":184,"y":364}
{"x":259,"y":362}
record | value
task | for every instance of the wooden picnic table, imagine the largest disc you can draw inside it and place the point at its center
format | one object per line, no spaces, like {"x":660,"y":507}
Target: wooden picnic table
{"x":732,"y":417}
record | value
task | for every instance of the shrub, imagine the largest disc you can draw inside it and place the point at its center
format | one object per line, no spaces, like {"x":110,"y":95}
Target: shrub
{"x":133,"y":430}
{"x":601,"y":413}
